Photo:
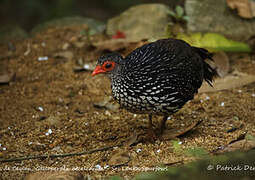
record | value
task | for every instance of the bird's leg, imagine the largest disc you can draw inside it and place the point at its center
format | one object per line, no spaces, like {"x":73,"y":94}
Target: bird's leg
{"x":151,"y":133}
{"x":163,"y":124}
{"x":150,"y":122}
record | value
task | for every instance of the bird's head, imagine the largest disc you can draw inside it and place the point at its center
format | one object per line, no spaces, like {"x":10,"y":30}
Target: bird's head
{"x":108,"y":64}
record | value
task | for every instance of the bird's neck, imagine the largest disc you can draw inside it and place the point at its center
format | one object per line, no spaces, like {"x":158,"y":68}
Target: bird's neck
{"x":118,"y":73}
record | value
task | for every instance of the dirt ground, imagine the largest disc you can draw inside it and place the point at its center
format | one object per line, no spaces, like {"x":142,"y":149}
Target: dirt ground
{"x":49,"y":109}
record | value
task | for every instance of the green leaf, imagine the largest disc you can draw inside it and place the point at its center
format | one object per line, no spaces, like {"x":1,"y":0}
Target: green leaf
{"x":177,"y":146}
{"x":186,"y":18}
{"x":214,"y":42}
{"x":179,"y":10}
{"x":172,"y":13}
{"x":197,"y":152}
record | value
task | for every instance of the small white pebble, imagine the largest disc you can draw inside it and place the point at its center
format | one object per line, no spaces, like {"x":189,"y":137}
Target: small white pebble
{"x":138,"y":150}
{"x":253,"y":94}
{"x":48,"y":132}
{"x":4,"y":148}
{"x":9,"y":128}
{"x":222,"y":104}
{"x":207,"y":98}
{"x":106,"y":166}
{"x":86,"y":66}
{"x":29,"y":143}
{"x":98,"y":166}
{"x":86,"y":124}
{"x":169,"y":118}
{"x":107,"y":113}
{"x":43,"y":44}
{"x":40,"y":108}
{"x":179,"y":142}
{"x":43,"y":58}
{"x":135,"y":115}
{"x":158,"y":151}
{"x":239,"y":90}
{"x":201,"y":100}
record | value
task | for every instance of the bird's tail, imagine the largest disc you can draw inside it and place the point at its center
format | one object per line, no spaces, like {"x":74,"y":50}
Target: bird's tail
{"x":209,"y":72}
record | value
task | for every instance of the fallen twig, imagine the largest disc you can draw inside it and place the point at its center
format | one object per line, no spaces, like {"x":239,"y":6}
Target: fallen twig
{"x":58,"y":155}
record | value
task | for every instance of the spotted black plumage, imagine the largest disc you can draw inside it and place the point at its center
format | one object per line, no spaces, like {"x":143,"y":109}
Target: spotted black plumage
{"x":160,"y":77}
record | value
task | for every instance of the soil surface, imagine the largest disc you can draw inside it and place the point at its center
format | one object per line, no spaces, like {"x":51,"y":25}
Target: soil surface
{"x":48,"y":108}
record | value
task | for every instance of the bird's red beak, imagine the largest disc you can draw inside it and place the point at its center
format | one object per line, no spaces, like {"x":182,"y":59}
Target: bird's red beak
{"x":97,"y":70}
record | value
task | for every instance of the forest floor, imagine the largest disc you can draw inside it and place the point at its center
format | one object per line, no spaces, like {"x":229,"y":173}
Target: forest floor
{"x":48,"y":108}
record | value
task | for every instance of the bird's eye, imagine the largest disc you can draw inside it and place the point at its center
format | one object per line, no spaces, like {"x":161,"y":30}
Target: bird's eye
{"x":108,"y":65}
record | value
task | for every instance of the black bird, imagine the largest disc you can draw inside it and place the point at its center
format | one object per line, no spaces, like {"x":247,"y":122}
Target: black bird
{"x":157,"y":78}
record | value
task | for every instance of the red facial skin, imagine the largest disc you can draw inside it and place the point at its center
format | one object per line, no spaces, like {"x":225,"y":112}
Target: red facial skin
{"x":106,"y":67}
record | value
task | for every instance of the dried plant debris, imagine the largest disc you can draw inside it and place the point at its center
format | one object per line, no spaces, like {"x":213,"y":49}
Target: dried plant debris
{"x":245,"y":144}
{"x":131,"y":140}
{"x":120,"y":158}
{"x":233,"y":80}
{"x":173,"y":133}
{"x":221,"y":61}
{"x":245,"y":8}
{"x":64,"y":54}
{"x":6,"y":78}
{"x":112,"y":44}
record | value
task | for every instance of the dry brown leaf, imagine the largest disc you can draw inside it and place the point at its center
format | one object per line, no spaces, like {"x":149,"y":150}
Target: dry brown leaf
{"x":245,"y":8}
{"x":6,"y":78}
{"x":54,"y":176}
{"x":173,"y":133}
{"x":234,"y":80}
{"x":119,"y":158}
{"x":221,"y":61}
{"x":112,"y":44}
{"x":171,"y":163}
{"x":131,"y":140}
{"x":243,"y":145}
{"x":64,"y":54}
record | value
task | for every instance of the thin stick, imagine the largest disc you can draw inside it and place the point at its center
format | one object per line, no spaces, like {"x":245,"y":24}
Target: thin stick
{"x":58,"y":155}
